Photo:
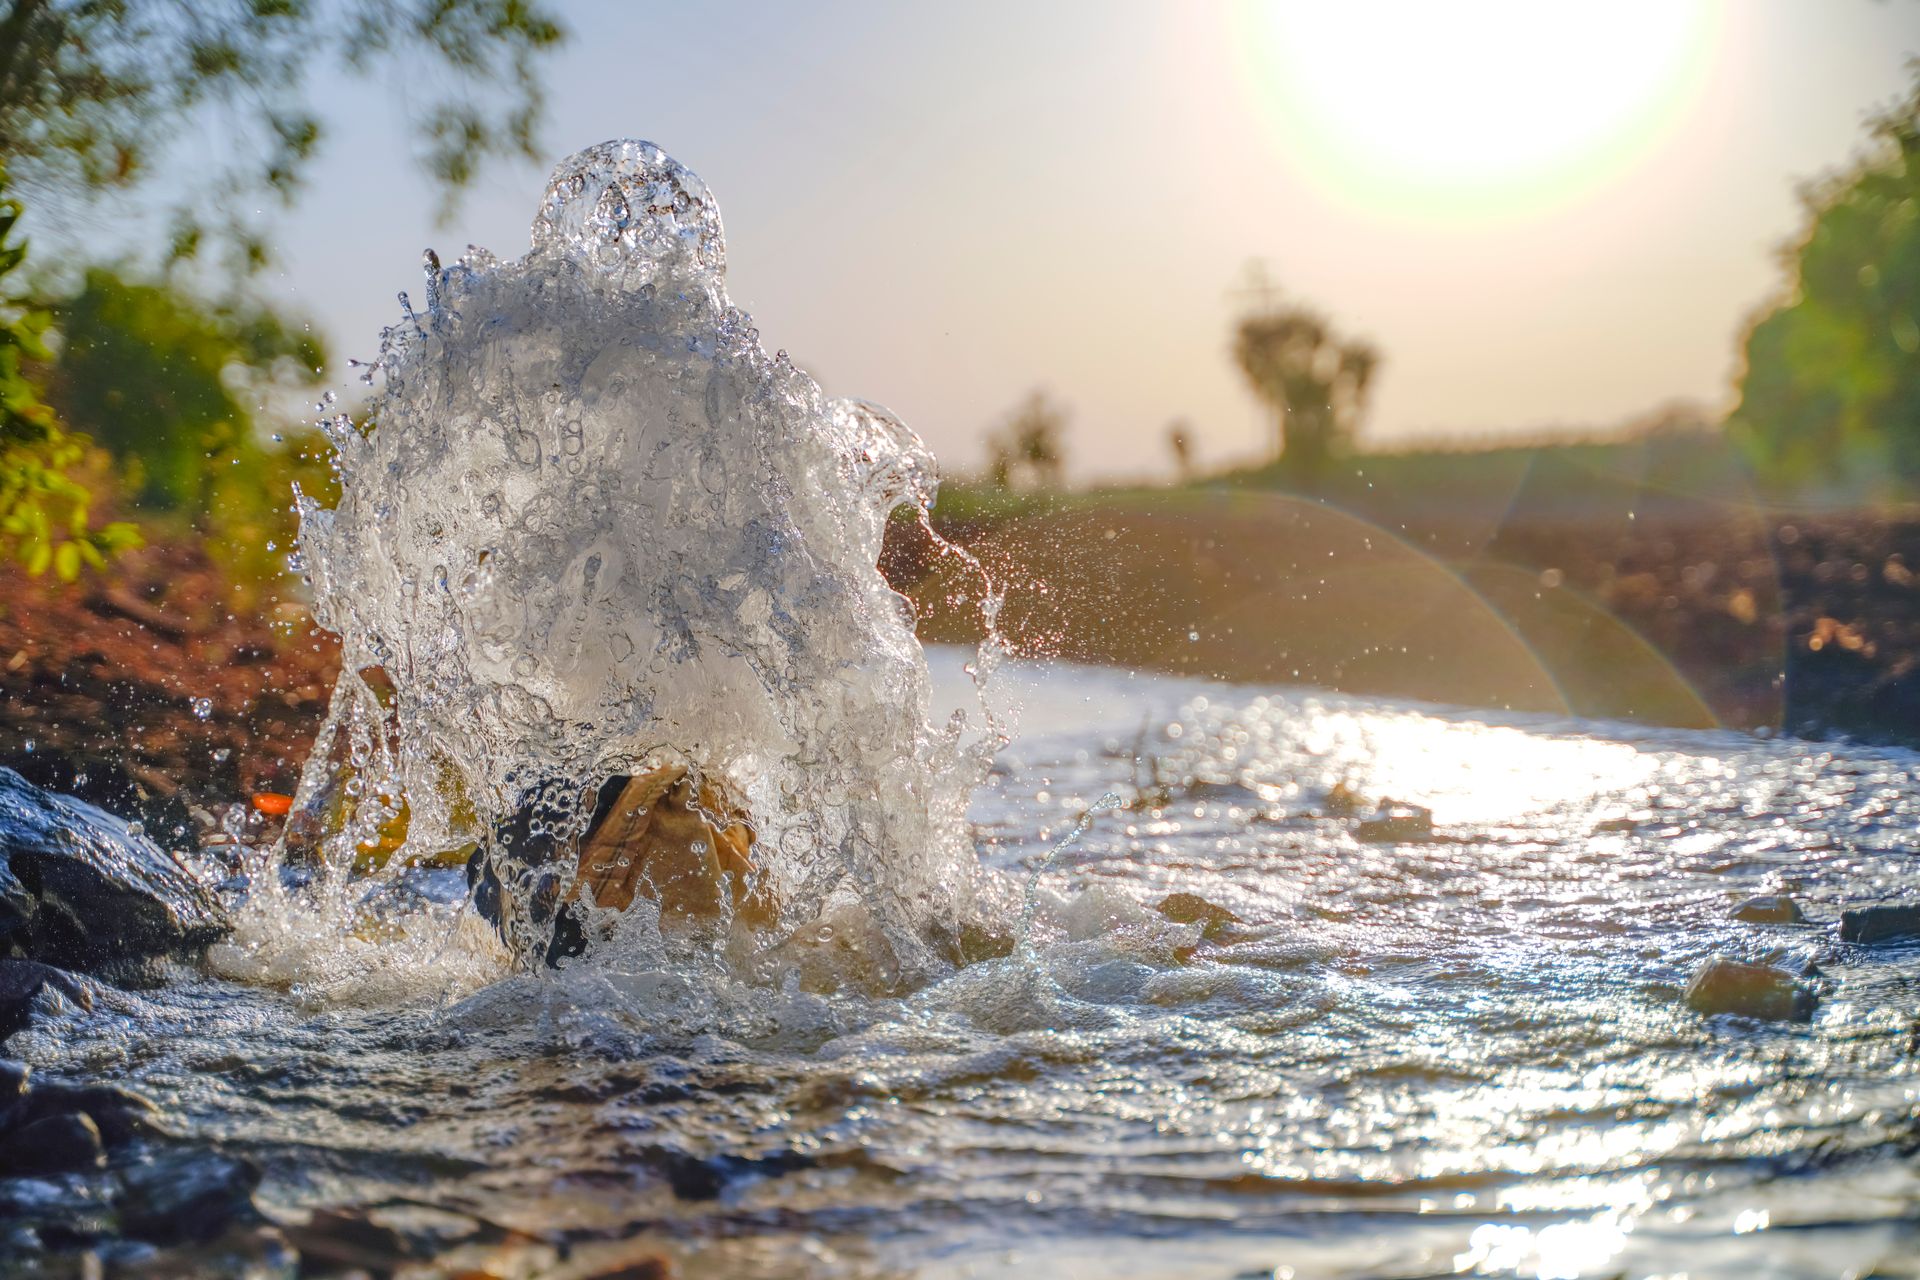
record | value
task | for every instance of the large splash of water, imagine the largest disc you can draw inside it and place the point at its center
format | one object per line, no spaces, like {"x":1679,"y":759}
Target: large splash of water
{"x":590,"y":526}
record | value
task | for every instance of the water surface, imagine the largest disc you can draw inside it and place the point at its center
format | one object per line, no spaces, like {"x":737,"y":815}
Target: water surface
{"x":1463,"y":1053}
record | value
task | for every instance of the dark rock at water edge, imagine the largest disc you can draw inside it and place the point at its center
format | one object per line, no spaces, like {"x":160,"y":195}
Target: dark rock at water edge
{"x":1750,"y":990}
{"x":80,"y":890}
{"x":1883,"y":923}
{"x":1769,"y":909}
{"x":185,"y":1196}
{"x":67,"y":1143}
{"x":22,"y":981}
{"x":87,"y":1168}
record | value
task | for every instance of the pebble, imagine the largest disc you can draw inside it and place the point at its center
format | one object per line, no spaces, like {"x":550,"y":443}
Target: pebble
{"x":1750,"y":990}
{"x":1770,"y":909}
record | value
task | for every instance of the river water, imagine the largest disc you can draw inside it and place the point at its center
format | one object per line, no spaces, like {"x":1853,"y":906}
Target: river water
{"x":1461,"y":1053}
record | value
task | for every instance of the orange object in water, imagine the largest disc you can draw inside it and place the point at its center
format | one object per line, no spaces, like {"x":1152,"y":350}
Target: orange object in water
{"x":272,"y":803}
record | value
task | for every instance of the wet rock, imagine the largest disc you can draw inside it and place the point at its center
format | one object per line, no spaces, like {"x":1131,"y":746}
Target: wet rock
{"x":185,"y":1196}
{"x":1881,"y":923}
{"x":706,"y":1177}
{"x":14,"y":1077}
{"x":55,"y":1144}
{"x":1769,"y":909}
{"x":1750,"y":990}
{"x":1191,"y":908}
{"x":385,"y":1238}
{"x":651,"y":1267}
{"x":1229,"y":792}
{"x":22,"y":981}
{"x":80,"y":890}
{"x":972,"y":943}
{"x":120,"y":1116}
{"x":1396,"y":823}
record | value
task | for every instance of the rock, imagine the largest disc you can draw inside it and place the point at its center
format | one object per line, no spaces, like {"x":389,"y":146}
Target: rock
{"x":120,"y":1116}
{"x":1191,"y":908}
{"x":973,"y":942}
{"x":1880,"y":924}
{"x":1396,"y":823}
{"x":650,"y":1267}
{"x":175,"y":1197}
{"x":706,"y":1178}
{"x":23,"y":980}
{"x":56,"y":1144}
{"x":78,"y":889}
{"x":1769,"y":909}
{"x":655,"y":835}
{"x":1229,"y":792}
{"x":384,"y":1239}
{"x":14,"y":1083}
{"x":1750,"y":990}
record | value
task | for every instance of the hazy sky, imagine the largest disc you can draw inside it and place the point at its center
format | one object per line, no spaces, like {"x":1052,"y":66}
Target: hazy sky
{"x":1541,"y":212}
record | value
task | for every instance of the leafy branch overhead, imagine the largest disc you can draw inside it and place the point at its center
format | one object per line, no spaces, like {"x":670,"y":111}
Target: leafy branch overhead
{"x":95,"y":95}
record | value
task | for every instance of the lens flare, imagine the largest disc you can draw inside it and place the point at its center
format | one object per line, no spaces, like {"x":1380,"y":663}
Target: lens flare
{"x":1471,"y":110}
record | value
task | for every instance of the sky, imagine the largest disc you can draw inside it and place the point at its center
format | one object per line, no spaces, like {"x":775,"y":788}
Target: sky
{"x":1546,"y":216}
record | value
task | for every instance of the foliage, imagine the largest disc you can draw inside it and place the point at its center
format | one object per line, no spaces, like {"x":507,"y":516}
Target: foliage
{"x":166,"y":381}
{"x":1316,"y":382}
{"x":94,"y":92}
{"x":1027,"y":451}
{"x":1830,"y":388}
{"x":45,"y":512}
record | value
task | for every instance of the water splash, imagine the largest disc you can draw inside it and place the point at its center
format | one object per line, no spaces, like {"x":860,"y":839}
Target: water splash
{"x":589,"y":527}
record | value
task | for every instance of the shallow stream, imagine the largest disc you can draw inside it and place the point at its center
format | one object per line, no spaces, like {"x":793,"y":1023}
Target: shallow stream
{"x":1461,"y":1052}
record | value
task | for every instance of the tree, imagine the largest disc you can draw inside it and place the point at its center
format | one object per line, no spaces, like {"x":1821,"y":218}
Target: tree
{"x":1180,"y":443}
{"x":167,"y":382}
{"x":1315,"y":381}
{"x":1027,"y":450}
{"x":93,"y":92}
{"x":1830,"y":379}
{"x":45,"y":514}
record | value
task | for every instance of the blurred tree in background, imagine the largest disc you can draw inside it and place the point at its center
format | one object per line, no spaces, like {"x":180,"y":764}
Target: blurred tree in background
{"x":45,"y":512}
{"x":172,"y":385}
{"x":1315,"y":381}
{"x":1830,"y":388}
{"x":1027,"y":452}
{"x":1180,"y":443}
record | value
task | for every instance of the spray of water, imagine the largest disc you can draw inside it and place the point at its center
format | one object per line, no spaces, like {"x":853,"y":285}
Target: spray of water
{"x":589,"y":526}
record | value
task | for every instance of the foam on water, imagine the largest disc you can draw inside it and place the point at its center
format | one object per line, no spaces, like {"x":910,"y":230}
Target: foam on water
{"x":589,"y":526}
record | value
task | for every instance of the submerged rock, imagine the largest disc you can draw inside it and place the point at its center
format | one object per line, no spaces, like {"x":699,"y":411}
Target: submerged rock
{"x":1769,"y":909}
{"x":1759,"y":991}
{"x":1396,"y":823}
{"x":81,"y":890}
{"x":1191,"y":908}
{"x":1881,"y":923}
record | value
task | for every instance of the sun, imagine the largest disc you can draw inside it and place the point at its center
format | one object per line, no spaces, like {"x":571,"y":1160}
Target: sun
{"x":1468,"y":108}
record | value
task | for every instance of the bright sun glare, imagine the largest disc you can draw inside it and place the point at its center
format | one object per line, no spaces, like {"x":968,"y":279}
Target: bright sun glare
{"x":1468,"y":108}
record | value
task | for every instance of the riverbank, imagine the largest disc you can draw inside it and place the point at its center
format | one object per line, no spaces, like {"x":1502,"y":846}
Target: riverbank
{"x":1572,"y":593}
{"x":150,"y":693}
